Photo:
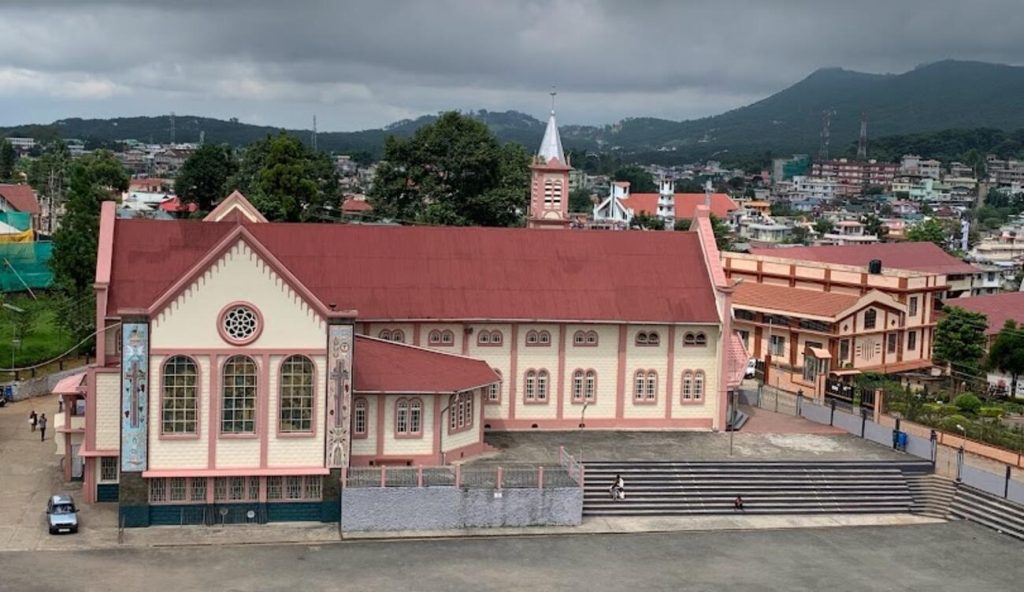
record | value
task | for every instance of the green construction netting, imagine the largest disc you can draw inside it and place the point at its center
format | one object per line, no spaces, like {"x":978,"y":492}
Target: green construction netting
{"x":25,"y":265}
{"x":19,"y":220}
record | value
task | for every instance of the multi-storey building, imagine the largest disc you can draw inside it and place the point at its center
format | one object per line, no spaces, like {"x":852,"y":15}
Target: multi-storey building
{"x":853,"y":175}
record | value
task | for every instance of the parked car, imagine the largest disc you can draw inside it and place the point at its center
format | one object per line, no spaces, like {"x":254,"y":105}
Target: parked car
{"x":61,"y":514}
{"x":751,"y":370}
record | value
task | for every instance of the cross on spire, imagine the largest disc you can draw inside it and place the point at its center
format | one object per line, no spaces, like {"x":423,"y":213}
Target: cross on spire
{"x":554,"y":91}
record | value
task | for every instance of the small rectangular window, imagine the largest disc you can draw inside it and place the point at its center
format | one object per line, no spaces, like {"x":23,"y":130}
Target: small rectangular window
{"x":911,"y":341}
{"x":912,"y":307}
{"x":198,"y":488}
{"x":891,"y":343}
{"x":777,"y":345}
{"x":108,"y":468}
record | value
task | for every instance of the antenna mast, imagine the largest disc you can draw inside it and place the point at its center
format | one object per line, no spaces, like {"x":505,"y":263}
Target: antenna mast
{"x":862,"y":141}
{"x":312,"y":141}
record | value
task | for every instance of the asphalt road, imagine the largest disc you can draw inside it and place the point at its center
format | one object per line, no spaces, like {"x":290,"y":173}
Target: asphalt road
{"x":934,"y":558}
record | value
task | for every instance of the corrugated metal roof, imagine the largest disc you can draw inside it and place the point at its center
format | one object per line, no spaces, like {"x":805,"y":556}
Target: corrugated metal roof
{"x":920,"y":256}
{"x":385,"y":367}
{"x":391,"y":272}
{"x":999,"y":308}
{"x":792,"y":300}
{"x":21,"y":197}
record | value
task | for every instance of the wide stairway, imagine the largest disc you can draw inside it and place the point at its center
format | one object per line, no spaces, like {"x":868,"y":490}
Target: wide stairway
{"x":986,"y":509}
{"x":933,"y":495}
{"x":767,"y":487}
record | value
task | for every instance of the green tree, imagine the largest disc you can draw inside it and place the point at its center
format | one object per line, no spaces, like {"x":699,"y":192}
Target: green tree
{"x":203,"y":177}
{"x":286,"y":180}
{"x":645,"y":221}
{"x":723,"y":234}
{"x":932,"y":231}
{"x":823,"y":226}
{"x":692,"y":186}
{"x":640,"y":181}
{"x":1007,"y":353}
{"x":453,"y":172}
{"x":873,"y":225}
{"x":782,"y":209}
{"x":94,"y":178}
{"x":579,"y":200}
{"x":8,"y":157}
{"x":799,"y":236}
{"x":960,"y":339}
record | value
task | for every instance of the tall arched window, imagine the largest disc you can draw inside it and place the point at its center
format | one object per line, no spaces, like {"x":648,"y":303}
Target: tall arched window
{"x":360,"y":417}
{"x":584,"y":386}
{"x":494,"y":391}
{"x":460,"y":412}
{"x":639,"y":385}
{"x":180,"y":392}
{"x":687,"y":391}
{"x":530,"y":385}
{"x":542,"y":386}
{"x":239,"y":385}
{"x":295,"y":413}
{"x":698,"y":385}
{"x":870,"y":318}
{"x":408,"y":418}
{"x":645,"y":386}
{"x":652,"y":385}
{"x":577,"y":386}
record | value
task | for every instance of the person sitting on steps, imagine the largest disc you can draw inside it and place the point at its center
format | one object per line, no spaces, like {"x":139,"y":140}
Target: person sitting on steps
{"x":737,"y":504}
{"x":618,"y":489}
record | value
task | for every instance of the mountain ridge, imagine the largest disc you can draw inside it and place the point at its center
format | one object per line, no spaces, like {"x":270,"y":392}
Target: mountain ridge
{"x":947,"y":94}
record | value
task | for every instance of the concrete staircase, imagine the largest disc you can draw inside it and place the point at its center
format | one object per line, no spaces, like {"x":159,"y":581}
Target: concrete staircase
{"x":933,"y":495}
{"x":985,"y":509}
{"x":767,"y":487}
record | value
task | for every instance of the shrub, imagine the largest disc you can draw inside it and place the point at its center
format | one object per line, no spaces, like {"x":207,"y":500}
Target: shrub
{"x":990,"y":412}
{"x":949,"y":423}
{"x":968,"y":403}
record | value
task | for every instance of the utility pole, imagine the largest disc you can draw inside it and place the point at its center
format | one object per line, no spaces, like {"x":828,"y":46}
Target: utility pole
{"x":826,"y":123}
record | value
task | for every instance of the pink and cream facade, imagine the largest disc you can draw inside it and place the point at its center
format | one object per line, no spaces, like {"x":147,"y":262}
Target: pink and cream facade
{"x":244,"y":364}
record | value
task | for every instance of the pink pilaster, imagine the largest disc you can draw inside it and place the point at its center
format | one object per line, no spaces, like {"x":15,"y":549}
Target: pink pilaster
{"x":263,"y":419}
{"x":620,"y":378}
{"x":561,"y":369}
{"x":671,"y":369}
{"x":213,"y":430}
{"x":513,"y":370}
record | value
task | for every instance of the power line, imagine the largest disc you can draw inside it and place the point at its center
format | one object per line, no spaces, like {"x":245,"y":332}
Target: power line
{"x":61,"y":356}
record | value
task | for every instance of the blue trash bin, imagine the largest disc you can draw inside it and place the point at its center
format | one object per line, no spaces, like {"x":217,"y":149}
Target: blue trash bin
{"x":901,"y":441}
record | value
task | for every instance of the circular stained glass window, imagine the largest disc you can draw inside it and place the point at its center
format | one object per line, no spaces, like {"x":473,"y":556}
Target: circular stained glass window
{"x":240,"y":323}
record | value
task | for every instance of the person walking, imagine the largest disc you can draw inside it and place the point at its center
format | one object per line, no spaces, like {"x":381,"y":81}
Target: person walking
{"x":42,"y":427}
{"x":33,"y":419}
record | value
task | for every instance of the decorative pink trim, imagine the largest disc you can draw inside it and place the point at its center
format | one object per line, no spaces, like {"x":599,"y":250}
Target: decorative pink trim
{"x":366,"y":426}
{"x":199,"y":392}
{"x":513,"y":370}
{"x":470,"y":421}
{"x":416,"y":334}
{"x":620,"y":379}
{"x":439,"y":342}
{"x":263,"y":409}
{"x":417,"y":435}
{"x":88,"y":479}
{"x":105,"y":248}
{"x":604,"y":423}
{"x":235,"y":201}
{"x":670,"y":371}
{"x":560,"y":393}
{"x":486,"y":392}
{"x":467,"y":451}
{"x":254,"y":351}
{"x":243,"y":472}
{"x":214,"y":405}
{"x":313,"y":411}
{"x":723,"y":353}
{"x":259,"y":323}
{"x":490,"y":336}
{"x":637,"y":343}
{"x":90,"y":411}
{"x":380,"y":424}
{"x":438,"y":424}
{"x":539,"y":343}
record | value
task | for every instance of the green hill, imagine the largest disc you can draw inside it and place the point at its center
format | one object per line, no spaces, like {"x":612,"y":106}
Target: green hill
{"x":939,"y":96}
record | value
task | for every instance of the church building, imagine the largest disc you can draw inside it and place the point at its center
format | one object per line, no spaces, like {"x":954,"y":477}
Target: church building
{"x":246,"y":363}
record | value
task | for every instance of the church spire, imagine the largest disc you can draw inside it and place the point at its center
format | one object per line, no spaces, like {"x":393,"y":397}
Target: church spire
{"x":551,"y":145}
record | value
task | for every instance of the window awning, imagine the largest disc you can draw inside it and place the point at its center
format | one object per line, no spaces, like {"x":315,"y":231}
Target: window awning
{"x":818,"y":352}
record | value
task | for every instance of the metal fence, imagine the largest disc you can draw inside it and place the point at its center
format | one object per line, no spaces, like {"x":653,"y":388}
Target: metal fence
{"x":573,"y":467}
{"x":471,"y":477}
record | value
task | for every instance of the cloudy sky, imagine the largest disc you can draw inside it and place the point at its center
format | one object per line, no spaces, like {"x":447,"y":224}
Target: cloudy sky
{"x":364,"y":64}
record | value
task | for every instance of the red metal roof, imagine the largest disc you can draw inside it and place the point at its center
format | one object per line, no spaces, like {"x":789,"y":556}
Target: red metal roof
{"x":174,"y":205}
{"x":397,"y":272}
{"x":356,"y":206}
{"x":21,"y":197}
{"x":921,"y":256}
{"x":686,"y":204}
{"x":999,"y":308}
{"x":385,"y":367}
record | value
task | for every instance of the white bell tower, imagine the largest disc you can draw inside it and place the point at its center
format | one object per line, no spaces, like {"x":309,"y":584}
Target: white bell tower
{"x":667,"y":203}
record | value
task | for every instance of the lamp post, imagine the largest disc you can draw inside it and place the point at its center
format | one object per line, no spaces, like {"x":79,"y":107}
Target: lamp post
{"x":583,"y":412}
{"x":960,"y":452}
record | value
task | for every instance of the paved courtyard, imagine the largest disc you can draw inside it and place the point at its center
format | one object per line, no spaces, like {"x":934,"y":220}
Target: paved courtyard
{"x":911,"y":558}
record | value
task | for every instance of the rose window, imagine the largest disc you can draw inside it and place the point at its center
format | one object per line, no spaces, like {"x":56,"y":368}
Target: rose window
{"x":240,"y":324}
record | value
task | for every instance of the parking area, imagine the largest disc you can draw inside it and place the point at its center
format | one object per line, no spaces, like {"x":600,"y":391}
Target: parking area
{"x":30,"y":472}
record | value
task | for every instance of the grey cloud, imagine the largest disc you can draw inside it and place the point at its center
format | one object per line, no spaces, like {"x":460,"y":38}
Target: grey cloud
{"x":360,"y":64}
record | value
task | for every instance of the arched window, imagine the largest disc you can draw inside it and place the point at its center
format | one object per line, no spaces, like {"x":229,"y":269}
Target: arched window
{"x":180,"y":392}
{"x":494,"y":391}
{"x":577,"y":386}
{"x":447,"y":337}
{"x":639,"y":385}
{"x":296,"y":395}
{"x":238,"y":396}
{"x":647,"y":338}
{"x":530,"y":386}
{"x":360,"y":417}
{"x":591,"y":337}
{"x":700,"y":340}
{"x":698,"y":385}
{"x":408,"y":418}
{"x":460,"y":412}
{"x":653,"y":338}
{"x":579,"y":338}
{"x":544,"y":338}
{"x":641,"y":338}
{"x":590,"y":386}
{"x":870,"y":318}
{"x":434,"y":337}
{"x":687,"y":391}
{"x":542,"y":386}
{"x":690,"y":338}
{"x":496,"y":338}
{"x":652,"y":385}
{"x":384,"y":334}
{"x":483,"y":338}
{"x":531,"y":337}
{"x":398,"y":336}
{"x":538,"y":338}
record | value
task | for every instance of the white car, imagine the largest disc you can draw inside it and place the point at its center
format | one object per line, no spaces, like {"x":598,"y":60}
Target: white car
{"x":751,"y":370}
